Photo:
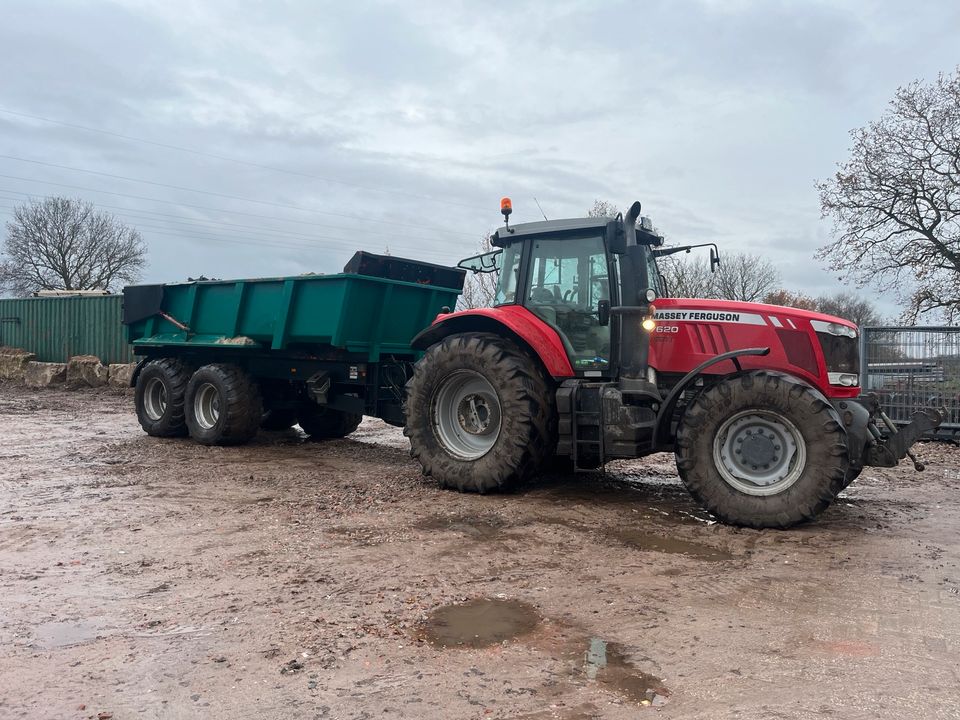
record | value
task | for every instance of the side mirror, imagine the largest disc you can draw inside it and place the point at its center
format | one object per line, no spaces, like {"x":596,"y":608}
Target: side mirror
{"x":615,"y":237}
{"x":603,"y":312}
{"x":714,"y":259}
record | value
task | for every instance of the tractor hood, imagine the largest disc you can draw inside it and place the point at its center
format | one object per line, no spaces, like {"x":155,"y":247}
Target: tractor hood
{"x":820,"y":348}
{"x":733,"y":311}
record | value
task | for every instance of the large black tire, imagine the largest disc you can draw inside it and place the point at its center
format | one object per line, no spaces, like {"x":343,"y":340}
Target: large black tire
{"x":278,"y":419}
{"x":743,"y":412}
{"x":159,"y":397}
{"x":320,"y":422}
{"x":223,"y":405}
{"x":525,"y":421}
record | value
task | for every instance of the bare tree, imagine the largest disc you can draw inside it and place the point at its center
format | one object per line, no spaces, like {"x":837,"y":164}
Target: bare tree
{"x":785,"y":298}
{"x":850,"y":307}
{"x":744,"y":277}
{"x":63,"y":244}
{"x":845,"y":305}
{"x":603,"y":208}
{"x":895,"y":202}
{"x":479,"y":289}
{"x":687,"y":276}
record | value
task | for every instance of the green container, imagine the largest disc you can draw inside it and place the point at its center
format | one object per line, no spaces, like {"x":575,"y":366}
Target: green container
{"x":58,"y":328}
{"x":357,"y":313}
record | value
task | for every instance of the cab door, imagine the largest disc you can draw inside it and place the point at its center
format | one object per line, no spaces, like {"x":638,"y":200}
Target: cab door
{"x":568,"y":278}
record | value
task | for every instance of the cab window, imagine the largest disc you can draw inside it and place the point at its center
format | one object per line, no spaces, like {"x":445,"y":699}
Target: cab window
{"x":568,"y":278}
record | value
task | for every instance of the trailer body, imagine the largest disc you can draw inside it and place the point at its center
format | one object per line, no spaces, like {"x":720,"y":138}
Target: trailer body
{"x":349,"y":332}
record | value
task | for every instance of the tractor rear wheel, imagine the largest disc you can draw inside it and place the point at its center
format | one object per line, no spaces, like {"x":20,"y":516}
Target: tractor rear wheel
{"x":223,"y":405}
{"x":161,"y":390}
{"x":480,"y":413}
{"x":762,"y":449}
{"x":321,"y":422}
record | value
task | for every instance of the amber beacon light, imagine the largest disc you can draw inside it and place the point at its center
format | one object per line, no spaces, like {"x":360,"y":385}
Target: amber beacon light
{"x":506,"y":207}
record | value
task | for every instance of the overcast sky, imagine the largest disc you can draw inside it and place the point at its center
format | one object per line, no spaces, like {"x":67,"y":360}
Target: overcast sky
{"x":285,"y":135}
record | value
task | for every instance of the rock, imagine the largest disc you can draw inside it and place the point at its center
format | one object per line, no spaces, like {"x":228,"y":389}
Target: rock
{"x":13,"y":363}
{"x":44,"y":374}
{"x":291,"y":667}
{"x":86,"y":371}
{"x":120,"y":374}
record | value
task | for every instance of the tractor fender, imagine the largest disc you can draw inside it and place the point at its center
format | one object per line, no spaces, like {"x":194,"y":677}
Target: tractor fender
{"x":665,"y":414}
{"x":513,"y":321}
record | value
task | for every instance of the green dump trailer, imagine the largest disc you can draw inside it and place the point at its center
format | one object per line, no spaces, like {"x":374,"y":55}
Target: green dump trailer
{"x":223,"y":358}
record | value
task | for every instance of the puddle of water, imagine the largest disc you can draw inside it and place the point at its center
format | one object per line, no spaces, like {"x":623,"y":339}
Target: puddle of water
{"x":53,"y":635}
{"x":642,"y":540}
{"x":478,"y":528}
{"x":606,"y":664}
{"x":479,"y":623}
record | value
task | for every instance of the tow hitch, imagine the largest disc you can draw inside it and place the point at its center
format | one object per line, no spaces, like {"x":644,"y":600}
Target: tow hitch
{"x":887,"y":450}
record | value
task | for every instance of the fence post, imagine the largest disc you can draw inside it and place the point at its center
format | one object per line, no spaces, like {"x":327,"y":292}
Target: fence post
{"x":863,"y":358}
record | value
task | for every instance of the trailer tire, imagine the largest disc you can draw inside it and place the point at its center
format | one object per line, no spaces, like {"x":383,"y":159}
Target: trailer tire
{"x":223,"y":405}
{"x":747,"y":418}
{"x":322,"y":423}
{"x":278,"y":419}
{"x":159,"y":397}
{"x":474,"y":379}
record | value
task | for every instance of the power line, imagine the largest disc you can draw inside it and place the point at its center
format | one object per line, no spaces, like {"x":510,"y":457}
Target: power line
{"x":205,"y":237}
{"x":225,"y":158}
{"x":129,"y":212}
{"x":190,"y":205}
{"x":227,"y":196}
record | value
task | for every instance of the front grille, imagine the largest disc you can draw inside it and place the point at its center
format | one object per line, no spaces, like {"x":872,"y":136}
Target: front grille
{"x":842,"y":354}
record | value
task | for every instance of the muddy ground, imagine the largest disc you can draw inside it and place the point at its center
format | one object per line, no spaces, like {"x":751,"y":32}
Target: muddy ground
{"x":290,"y":579}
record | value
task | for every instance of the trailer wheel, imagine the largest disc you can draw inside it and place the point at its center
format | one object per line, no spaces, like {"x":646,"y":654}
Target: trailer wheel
{"x":762,"y":449}
{"x":320,"y":422}
{"x":278,"y":419}
{"x":159,"y":397}
{"x":223,"y":405}
{"x":479,"y":413}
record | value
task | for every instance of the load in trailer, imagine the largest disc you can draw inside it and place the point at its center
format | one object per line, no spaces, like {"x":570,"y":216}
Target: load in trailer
{"x":584,"y":358}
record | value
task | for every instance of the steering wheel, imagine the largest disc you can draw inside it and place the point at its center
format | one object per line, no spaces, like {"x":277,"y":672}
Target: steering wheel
{"x":571,"y":294}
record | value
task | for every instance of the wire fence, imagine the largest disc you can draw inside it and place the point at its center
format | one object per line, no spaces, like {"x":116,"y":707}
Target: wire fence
{"x":911,"y":368}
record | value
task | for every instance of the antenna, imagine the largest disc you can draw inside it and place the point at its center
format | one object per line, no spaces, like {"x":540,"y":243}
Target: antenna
{"x":539,"y":208}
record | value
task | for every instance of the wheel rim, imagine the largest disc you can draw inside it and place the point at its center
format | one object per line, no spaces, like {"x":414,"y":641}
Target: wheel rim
{"x":155,"y":399}
{"x":759,"y":452}
{"x":206,"y":406}
{"x":466,"y":414}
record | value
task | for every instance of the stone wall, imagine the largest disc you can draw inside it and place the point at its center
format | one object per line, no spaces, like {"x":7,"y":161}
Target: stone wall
{"x":79,"y":372}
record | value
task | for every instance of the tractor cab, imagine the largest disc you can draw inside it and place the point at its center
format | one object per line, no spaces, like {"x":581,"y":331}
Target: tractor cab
{"x":574,"y":275}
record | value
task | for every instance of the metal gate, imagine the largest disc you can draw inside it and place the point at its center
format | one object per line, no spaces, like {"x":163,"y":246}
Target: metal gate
{"x":911,"y":368}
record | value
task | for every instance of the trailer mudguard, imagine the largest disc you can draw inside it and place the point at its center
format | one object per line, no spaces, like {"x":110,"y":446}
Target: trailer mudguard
{"x":515,"y":321}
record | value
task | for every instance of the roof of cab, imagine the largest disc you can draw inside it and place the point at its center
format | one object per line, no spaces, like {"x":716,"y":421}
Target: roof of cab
{"x":503,"y":236}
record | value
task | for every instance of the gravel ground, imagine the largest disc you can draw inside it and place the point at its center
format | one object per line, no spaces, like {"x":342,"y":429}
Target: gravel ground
{"x":160,"y":579}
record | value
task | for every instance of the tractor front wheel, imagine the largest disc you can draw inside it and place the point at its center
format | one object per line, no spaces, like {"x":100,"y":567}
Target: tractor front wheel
{"x":479,"y":413}
{"x":762,"y":449}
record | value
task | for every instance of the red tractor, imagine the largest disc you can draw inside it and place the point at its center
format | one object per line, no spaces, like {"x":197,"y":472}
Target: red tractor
{"x":585,"y":358}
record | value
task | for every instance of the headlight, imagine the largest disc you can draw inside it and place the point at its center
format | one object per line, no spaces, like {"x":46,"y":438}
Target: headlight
{"x":844,"y":379}
{"x":650,"y":294}
{"x":833,"y":328}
